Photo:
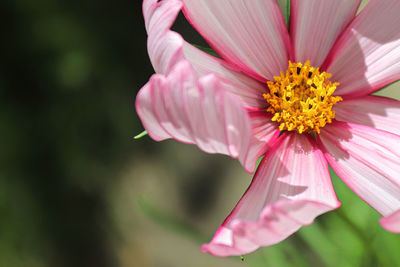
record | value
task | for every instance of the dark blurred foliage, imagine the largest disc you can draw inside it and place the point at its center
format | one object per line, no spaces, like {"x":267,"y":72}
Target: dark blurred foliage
{"x":70,"y":71}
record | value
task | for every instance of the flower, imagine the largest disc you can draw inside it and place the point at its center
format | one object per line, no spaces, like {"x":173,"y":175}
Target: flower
{"x":299,"y":98}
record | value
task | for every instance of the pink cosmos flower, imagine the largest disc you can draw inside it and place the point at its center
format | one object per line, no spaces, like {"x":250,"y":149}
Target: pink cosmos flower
{"x":300,"y":98}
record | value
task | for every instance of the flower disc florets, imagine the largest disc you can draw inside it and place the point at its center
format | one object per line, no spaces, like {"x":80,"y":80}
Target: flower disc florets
{"x":302,"y":98}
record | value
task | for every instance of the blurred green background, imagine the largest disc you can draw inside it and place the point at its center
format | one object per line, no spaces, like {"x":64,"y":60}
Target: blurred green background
{"x":76,"y":190}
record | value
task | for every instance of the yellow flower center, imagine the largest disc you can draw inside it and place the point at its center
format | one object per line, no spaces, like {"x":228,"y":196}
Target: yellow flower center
{"x":302,"y":98}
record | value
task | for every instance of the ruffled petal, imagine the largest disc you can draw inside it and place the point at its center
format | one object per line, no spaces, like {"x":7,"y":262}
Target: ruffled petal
{"x":291,"y":187}
{"x":166,"y":48}
{"x":367,"y":55}
{"x":391,"y":222}
{"x":249,"y":34}
{"x":315,"y":26}
{"x":195,"y":111}
{"x":367,"y":160}
{"x":374,"y":111}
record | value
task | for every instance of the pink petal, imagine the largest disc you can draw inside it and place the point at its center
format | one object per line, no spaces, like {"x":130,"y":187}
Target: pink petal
{"x":265,"y":132}
{"x":315,"y":26}
{"x":367,"y":55}
{"x":167,"y":48}
{"x":367,"y":160}
{"x":391,"y":222}
{"x":195,"y":111}
{"x":146,"y":112}
{"x":374,"y":111}
{"x":249,"y":34}
{"x":291,"y":187}
{"x":248,"y":90}
{"x":163,"y":45}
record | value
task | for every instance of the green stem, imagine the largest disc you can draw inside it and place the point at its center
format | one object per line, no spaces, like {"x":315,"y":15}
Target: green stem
{"x":144,"y":133}
{"x":373,"y":259}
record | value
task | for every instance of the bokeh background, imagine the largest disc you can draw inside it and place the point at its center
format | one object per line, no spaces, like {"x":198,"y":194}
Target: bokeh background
{"x":77,"y":190}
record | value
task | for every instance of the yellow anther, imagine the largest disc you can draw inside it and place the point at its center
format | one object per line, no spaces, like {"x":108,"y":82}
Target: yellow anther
{"x":302,"y":98}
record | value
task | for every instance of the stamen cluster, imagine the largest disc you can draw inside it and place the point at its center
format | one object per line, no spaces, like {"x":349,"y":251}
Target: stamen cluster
{"x":301,"y":99}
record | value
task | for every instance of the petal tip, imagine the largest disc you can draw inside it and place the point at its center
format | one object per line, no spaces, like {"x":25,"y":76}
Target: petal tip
{"x":391,"y":223}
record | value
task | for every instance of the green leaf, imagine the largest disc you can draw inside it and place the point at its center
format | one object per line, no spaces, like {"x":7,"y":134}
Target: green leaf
{"x":207,"y":50}
{"x":385,"y":87}
{"x":285,"y":8}
{"x":142,"y":134}
{"x":259,"y":161}
{"x":287,"y":14}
